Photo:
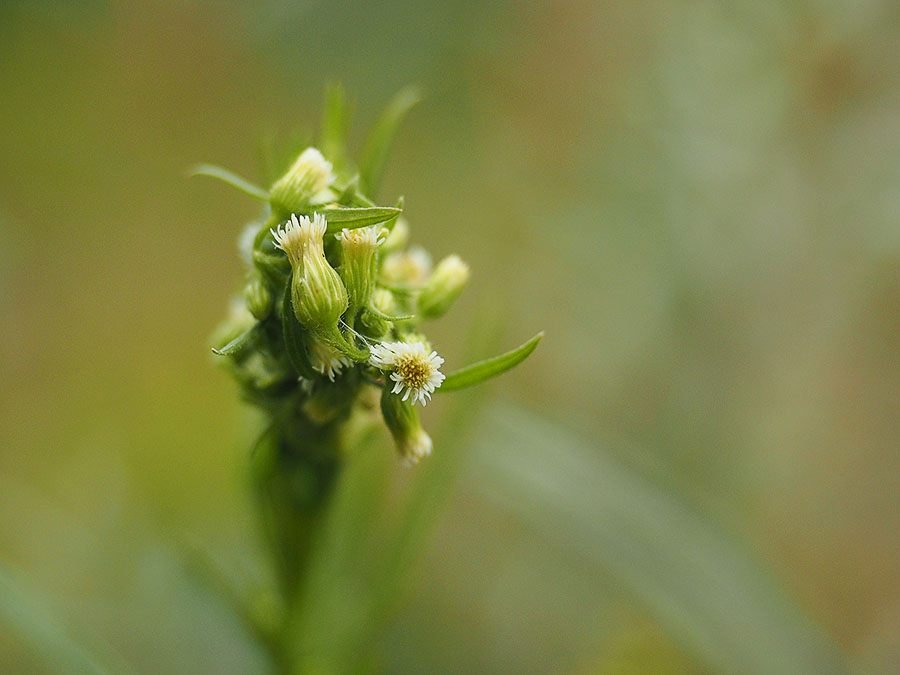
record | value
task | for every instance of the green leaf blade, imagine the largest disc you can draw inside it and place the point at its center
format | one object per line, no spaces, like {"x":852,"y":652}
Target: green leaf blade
{"x":485,"y":370}
{"x":229,"y":178}
{"x":353,"y":217}
{"x":378,"y":144}
{"x":241,"y":342}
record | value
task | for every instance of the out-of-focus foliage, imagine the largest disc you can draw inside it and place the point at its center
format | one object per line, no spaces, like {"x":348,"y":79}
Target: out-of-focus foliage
{"x":698,"y":201}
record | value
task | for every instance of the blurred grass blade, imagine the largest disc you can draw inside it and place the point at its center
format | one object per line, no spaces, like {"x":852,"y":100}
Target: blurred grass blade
{"x":709,"y":594}
{"x":485,"y":370}
{"x":351,"y":218}
{"x":231,"y":179}
{"x":336,"y":115}
{"x":378,"y":144}
{"x":24,"y":615}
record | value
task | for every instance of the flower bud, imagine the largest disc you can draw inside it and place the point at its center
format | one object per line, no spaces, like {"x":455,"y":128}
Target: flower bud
{"x":402,"y":420}
{"x":443,"y":287}
{"x":258,"y":297}
{"x":358,"y":269}
{"x":309,"y":175}
{"x":398,"y":237}
{"x":317,"y":294}
{"x":407,"y":267}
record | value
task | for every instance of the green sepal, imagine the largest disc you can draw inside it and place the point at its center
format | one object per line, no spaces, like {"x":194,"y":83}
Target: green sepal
{"x":485,"y":370}
{"x":351,"y":217}
{"x":294,"y":341}
{"x":387,"y":317}
{"x":275,"y":268}
{"x":378,"y":143}
{"x":231,"y":179}
{"x":241,"y":342}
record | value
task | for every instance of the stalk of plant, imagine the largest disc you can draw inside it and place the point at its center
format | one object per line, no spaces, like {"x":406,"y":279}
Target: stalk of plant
{"x":326,"y":337}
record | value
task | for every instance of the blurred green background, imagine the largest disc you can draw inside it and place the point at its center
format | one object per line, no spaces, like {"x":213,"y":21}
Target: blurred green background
{"x":698,"y":201}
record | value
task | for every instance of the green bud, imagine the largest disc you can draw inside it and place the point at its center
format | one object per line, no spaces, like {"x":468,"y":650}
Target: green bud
{"x":443,"y":287}
{"x":317,"y":294}
{"x":359,"y":267}
{"x":258,"y":297}
{"x":402,"y":420}
{"x":309,"y":175}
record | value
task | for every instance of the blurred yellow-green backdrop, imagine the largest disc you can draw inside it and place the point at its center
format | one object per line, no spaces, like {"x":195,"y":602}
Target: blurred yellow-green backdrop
{"x":698,"y":201}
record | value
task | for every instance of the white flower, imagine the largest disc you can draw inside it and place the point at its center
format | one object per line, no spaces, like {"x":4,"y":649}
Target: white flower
{"x":309,"y":176}
{"x":297,"y":236}
{"x":361,"y":237}
{"x":414,"y":368}
{"x":327,"y":360}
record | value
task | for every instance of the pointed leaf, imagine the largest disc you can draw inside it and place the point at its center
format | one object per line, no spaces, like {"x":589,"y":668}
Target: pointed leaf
{"x":375,"y":150}
{"x":231,"y":179}
{"x":336,"y":114}
{"x":241,"y":342}
{"x":484,"y":370}
{"x":351,"y":218}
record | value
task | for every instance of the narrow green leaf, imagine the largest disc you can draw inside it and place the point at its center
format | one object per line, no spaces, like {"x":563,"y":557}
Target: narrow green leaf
{"x":336,"y":114}
{"x":484,"y":370}
{"x":351,"y":218}
{"x":24,"y":615}
{"x":709,"y":593}
{"x":241,"y":342}
{"x":377,"y":146}
{"x":231,"y":179}
{"x":294,"y":343}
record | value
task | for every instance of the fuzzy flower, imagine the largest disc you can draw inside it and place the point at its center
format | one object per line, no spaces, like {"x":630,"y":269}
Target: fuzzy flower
{"x":327,"y":360}
{"x":358,"y":271}
{"x":308,"y":176}
{"x":297,"y":236}
{"x":317,"y":294}
{"x":412,"y":366}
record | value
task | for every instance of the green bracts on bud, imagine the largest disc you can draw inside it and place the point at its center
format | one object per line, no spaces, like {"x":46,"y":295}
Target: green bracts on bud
{"x":402,"y":419}
{"x":317,"y":294}
{"x":258,"y":297}
{"x":443,"y":287}
{"x":309,"y":175}
{"x":359,"y":267}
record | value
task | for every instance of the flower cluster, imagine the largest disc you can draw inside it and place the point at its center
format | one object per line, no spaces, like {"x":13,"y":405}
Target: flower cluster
{"x":332,"y":311}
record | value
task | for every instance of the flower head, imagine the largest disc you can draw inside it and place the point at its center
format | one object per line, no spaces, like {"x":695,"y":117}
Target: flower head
{"x":299,"y":236}
{"x":358,"y":271}
{"x":443,"y":287}
{"x":309,"y":175}
{"x":412,"y":366}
